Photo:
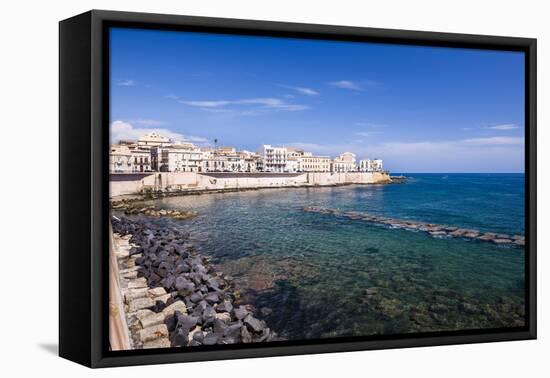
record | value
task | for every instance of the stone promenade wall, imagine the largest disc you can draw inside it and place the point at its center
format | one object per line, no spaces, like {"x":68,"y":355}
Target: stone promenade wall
{"x":127,"y":184}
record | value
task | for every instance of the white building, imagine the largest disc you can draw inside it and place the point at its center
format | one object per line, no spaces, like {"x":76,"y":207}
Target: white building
{"x":344,"y":163}
{"x":141,"y":160}
{"x":371,"y":165}
{"x":178,"y":157}
{"x":153,"y":139}
{"x":120,"y":159}
{"x":273,"y":159}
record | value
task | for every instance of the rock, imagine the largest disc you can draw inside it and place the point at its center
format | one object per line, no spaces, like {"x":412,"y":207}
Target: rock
{"x":519,"y":242}
{"x":186,"y":321}
{"x":181,"y":283}
{"x":372,"y":291}
{"x":140,"y":303}
{"x":151,"y":320}
{"x":223,"y":316}
{"x":266,"y":311}
{"x":253,"y":324}
{"x":240,"y":312}
{"x":164,"y":298}
{"x":153,"y":333}
{"x":245,"y":335}
{"x":157,"y":291}
{"x":158,"y":343}
{"x":469,"y":308}
{"x":518,"y":237}
{"x":198,"y":336}
{"x":471,"y":234}
{"x":211,"y":339}
{"x":439,"y":308}
{"x":212,"y":298}
{"x":181,"y":337}
{"x":225,"y":306}
{"x":176,"y":306}
{"x":132,"y":294}
{"x":502,"y":241}
{"x":196,"y":297}
{"x":137,"y":283}
{"x":487,"y":236}
{"x":192,"y":333}
{"x":233,"y":331}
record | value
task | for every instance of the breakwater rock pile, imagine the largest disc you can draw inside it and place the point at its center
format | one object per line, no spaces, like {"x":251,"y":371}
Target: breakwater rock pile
{"x":133,"y":208}
{"x":183,"y":297}
{"x":435,"y":230}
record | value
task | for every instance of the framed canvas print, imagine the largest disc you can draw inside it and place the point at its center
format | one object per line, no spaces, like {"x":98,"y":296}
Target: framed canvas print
{"x":233,"y":188}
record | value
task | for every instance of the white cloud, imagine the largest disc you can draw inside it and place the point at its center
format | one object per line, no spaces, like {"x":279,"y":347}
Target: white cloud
{"x":492,"y":154}
{"x":346,"y":84}
{"x":367,"y":133}
{"x":508,"y":126}
{"x":302,"y":90}
{"x":263,"y":102}
{"x":126,"y":83}
{"x":494,"y":141}
{"x":121,"y":130}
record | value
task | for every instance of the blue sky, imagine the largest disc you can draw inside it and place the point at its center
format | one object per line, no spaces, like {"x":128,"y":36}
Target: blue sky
{"x":421,"y":109}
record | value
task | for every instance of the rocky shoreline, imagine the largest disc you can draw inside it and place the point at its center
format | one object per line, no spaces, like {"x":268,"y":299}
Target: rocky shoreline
{"x":434,"y":230}
{"x":132,"y":207}
{"x":195,"y":304}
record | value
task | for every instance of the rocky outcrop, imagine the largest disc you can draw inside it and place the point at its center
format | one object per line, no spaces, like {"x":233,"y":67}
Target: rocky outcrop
{"x":175,"y":298}
{"x":132,"y":208}
{"x":434,"y":230}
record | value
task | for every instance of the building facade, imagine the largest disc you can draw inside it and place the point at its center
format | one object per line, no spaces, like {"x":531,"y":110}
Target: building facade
{"x":120,"y":159}
{"x":312,"y":163}
{"x":345,"y":162}
{"x":371,"y":165}
{"x":274,"y":159}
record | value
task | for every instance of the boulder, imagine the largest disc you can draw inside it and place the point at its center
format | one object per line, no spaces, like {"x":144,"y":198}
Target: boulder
{"x":140,"y":303}
{"x":253,"y":324}
{"x":153,"y":333}
{"x":176,"y":306}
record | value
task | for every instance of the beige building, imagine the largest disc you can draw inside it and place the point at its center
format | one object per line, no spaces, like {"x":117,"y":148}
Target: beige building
{"x":345,"y":162}
{"x":178,"y":157}
{"x":153,"y":140}
{"x":311,"y":163}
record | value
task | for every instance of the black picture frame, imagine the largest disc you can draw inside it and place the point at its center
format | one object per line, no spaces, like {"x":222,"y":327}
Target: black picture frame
{"x":83,"y":182}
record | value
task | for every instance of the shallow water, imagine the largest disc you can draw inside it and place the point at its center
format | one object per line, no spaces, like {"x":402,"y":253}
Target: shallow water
{"x":313,"y":275}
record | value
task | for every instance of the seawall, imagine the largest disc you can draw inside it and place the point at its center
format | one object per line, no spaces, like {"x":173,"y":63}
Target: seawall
{"x":170,"y":182}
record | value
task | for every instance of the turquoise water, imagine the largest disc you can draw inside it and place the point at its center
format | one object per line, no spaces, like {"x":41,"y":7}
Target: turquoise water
{"x":313,"y":275}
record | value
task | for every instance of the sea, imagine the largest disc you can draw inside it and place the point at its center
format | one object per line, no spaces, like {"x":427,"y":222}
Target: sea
{"x":312,"y":275}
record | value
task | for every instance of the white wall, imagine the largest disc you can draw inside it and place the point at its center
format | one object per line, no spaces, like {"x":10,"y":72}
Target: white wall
{"x":29,"y":208}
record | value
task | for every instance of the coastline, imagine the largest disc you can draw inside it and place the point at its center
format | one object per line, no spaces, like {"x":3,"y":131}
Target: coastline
{"x":192,"y":183}
{"x":173,"y":295}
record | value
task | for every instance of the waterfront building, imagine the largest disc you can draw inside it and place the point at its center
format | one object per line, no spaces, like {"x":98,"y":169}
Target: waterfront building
{"x":153,"y":139}
{"x":371,"y":165}
{"x":178,"y":157}
{"x":226,"y":150}
{"x":141,"y":159}
{"x":345,"y":162}
{"x":251,"y":160}
{"x":274,"y":159}
{"x":312,"y":163}
{"x":120,"y":159}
